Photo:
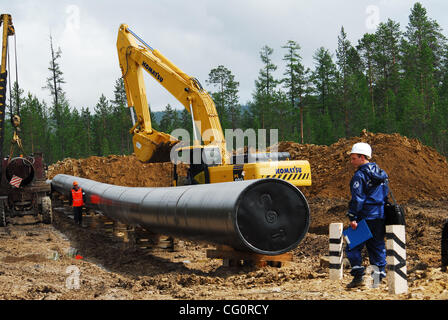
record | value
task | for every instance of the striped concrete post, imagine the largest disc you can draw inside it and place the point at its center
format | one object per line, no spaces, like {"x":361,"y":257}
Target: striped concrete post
{"x":336,"y":253}
{"x":397,"y":280}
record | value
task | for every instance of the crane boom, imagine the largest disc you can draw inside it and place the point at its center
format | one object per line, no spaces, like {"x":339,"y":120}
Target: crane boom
{"x":8,"y":30}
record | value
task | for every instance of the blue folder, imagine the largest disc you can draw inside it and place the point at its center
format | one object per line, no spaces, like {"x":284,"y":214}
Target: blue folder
{"x":359,"y":235}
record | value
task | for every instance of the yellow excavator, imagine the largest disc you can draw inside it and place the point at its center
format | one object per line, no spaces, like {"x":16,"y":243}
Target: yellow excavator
{"x":209,"y":161}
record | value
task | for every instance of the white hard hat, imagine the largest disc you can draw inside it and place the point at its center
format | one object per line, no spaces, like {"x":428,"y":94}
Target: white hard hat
{"x":362,"y":148}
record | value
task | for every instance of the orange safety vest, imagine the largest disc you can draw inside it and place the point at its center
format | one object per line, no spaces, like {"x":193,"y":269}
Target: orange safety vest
{"x":77,"y":198}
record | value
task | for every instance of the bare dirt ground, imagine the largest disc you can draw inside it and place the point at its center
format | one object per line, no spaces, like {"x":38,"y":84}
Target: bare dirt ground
{"x":40,"y":261}
{"x":37,"y":263}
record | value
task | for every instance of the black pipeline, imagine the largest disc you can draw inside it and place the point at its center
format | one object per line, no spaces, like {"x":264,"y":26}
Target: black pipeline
{"x":266,"y":216}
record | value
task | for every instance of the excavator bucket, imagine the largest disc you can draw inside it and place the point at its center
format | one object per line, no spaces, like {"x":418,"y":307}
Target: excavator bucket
{"x":153,"y":147}
{"x":162,"y":152}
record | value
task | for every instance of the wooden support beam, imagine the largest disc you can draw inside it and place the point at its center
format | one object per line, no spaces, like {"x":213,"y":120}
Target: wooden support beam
{"x":232,"y":257}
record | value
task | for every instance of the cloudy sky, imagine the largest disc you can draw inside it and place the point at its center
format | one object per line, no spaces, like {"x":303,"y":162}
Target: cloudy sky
{"x":196,"y":35}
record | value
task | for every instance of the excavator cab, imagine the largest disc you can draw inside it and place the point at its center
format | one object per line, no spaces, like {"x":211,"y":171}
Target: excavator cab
{"x":199,"y":158}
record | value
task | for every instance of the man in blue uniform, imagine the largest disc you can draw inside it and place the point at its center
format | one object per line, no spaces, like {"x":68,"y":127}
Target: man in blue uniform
{"x":369,"y":192}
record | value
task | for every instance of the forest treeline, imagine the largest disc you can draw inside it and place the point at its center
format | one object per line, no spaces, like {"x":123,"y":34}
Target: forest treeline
{"x":392,"y":80}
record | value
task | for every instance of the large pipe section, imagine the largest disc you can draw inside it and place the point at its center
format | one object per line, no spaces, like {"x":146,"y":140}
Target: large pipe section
{"x":20,"y":167}
{"x":266,"y":216}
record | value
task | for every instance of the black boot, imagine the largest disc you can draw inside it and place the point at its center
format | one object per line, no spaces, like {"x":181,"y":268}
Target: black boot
{"x":358,"y":281}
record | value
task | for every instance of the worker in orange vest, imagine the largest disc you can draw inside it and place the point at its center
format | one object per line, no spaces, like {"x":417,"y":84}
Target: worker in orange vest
{"x":77,"y":200}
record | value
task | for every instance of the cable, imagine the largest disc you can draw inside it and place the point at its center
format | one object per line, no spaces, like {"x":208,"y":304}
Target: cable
{"x":198,"y":84}
{"x":127,"y":62}
{"x":140,"y":39}
{"x":9,"y":84}
{"x":17,"y":76}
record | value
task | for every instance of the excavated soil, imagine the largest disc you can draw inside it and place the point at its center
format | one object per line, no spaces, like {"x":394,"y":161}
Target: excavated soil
{"x":40,"y":261}
{"x":118,"y":170}
{"x":416,"y":172}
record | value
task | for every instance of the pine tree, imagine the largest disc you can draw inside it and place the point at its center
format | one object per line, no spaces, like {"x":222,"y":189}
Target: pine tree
{"x":187,"y":124}
{"x":232,"y":98}
{"x":360,"y":115}
{"x":412,"y":121}
{"x":282,"y":118}
{"x":226,"y":98}
{"x":34,"y":127}
{"x":265,"y":87}
{"x":15,"y":105}
{"x":170,"y":120}
{"x":218,"y":78}
{"x":266,"y":82}
{"x":76,"y":137}
{"x":423,"y":50}
{"x":295,"y":81}
{"x":56,"y":75}
{"x":440,"y":116}
{"x":121,"y":120}
{"x":343,"y":80}
{"x":366,"y":51}
{"x":16,"y":100}
{"x":86,"y":128}
{"x":387,"y":63}
{"x":60,"y":104}
{"x":102,"y":110}
{"x":324,"y":79}
{"x":324,"y":133}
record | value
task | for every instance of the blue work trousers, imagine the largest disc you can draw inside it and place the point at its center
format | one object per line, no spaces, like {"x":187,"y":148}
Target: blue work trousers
{"x":376,"y":249}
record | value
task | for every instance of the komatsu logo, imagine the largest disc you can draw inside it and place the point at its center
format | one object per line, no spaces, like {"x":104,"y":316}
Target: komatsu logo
{"x":154,"y":73}
{"x":288,"y":170}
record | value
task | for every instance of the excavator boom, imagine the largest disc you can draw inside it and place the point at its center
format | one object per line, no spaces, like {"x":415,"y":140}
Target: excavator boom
{"x":148,"y":143}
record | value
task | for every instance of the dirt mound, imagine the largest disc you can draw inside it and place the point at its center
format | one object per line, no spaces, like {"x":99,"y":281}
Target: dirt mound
{"x":118,"y":170}
{"x":416,"y":171}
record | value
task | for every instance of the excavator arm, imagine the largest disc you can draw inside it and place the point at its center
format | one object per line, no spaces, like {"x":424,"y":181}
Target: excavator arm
{"x":150,"y":144}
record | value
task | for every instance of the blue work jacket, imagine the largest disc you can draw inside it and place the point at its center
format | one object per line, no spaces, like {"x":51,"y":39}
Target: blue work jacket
{"x":369,"y":189}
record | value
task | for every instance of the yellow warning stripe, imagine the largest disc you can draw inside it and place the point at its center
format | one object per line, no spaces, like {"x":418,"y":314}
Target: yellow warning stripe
{"x":301,"y":176}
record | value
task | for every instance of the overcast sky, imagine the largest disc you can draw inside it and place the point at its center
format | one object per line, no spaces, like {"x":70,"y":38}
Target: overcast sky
{"x":196,"y":35}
